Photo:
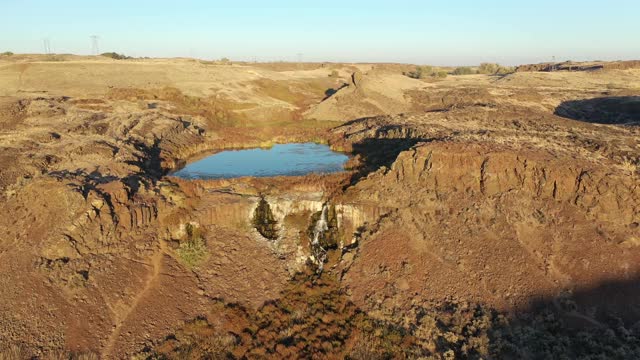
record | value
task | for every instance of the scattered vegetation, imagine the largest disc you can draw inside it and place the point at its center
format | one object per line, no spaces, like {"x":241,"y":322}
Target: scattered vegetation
{"x":264,"y":221}
{"x":116,"y":56}
{"x":221,"y":61}
{"x":6,"y":53}
{"x":216,"y":110}
{"x":15,"y":352}
{"x":484,"y":68}
{"x":488,"y":68}
{"x":423,"y":72}
{"x":631,"y":165}
{"x":441,"y":74}
{"x":280,"y":90}
{"x":53,"y":58}
{"x":463,"y":70}
{"x":313,"y":318}
{"x":192,"y":250}
{"x":419,"y":72}
{"x":494,"y":69}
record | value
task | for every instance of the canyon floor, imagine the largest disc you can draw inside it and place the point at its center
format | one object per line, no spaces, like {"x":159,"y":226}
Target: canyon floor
{"x":480,"y":216}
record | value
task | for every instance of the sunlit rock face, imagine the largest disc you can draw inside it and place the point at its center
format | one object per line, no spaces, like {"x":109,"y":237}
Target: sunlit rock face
{"x":290,"y":217}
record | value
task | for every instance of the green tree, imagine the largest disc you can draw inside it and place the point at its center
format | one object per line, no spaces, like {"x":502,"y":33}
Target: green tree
{"x":264,"y":221}
{"x":115,"y":55}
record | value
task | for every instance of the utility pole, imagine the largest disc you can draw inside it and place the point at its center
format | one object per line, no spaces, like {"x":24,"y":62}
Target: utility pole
{"x":95,"y":50}
{"x":47,"y":46}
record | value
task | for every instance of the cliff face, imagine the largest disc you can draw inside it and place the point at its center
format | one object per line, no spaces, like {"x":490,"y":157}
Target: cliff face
{"x":599,"y":190}
{"x":505,"y":225}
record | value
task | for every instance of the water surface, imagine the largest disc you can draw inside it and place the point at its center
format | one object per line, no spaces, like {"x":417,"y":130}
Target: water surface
{"x":279,"y":160}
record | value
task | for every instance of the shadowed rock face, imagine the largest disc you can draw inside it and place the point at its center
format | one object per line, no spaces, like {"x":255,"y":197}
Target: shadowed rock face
{"x":323,"y":324}
{"x":603,"y":110}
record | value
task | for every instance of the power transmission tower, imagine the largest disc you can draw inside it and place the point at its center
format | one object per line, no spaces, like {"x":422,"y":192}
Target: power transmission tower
{"x":300,"y":60}
{"x":47,"y":46}
{"x":95,"y":50}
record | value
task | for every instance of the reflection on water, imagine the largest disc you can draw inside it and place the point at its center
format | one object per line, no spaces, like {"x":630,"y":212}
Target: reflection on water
{"x":280,"y":160}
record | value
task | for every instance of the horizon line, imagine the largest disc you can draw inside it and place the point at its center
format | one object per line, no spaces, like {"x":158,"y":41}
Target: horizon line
{"x":309,"y":62}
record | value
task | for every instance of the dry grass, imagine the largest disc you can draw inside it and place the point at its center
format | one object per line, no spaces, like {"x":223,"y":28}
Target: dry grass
{"x":280,"y":90}
{"x":217,"y":111}
{"x":631,"y":166}
{"x":14,"y":352}
{"x":193,"y":249}
{"x":314,"y":319}
{"x":17,"y":352}
{"x":631,"y":242}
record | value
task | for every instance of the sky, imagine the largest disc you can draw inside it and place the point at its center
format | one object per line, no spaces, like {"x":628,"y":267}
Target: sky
{"x":444,"y":32}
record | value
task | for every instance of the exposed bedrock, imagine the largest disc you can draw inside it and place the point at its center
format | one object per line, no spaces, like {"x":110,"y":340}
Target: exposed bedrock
{"x":290,"y":215}
{"x":509,"y":228}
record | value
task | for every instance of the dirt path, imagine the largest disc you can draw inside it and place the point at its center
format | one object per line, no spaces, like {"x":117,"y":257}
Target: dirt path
{"x":121,"y":318}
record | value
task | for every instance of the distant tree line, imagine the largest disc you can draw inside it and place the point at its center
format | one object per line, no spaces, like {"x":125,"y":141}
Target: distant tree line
{"x":116,"y":56}
{"x":484,"y":68}
{"x":424,"y":72}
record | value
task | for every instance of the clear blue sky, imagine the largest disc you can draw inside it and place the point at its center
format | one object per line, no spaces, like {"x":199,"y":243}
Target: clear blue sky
{"x":444,"y":32}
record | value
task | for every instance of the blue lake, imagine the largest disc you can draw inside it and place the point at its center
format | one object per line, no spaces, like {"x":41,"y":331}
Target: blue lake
{"x":279,"y":160}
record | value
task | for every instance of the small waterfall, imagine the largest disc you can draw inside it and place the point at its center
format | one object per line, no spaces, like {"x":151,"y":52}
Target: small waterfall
{"x":318,"y":253}
{"x":321,"y":225}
